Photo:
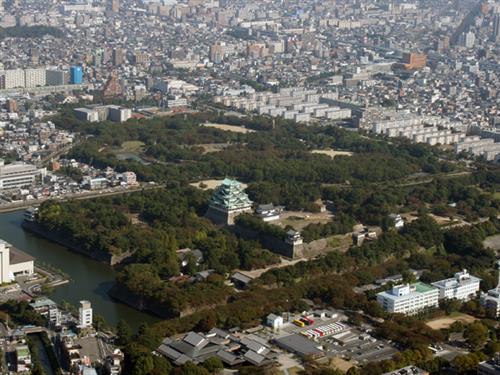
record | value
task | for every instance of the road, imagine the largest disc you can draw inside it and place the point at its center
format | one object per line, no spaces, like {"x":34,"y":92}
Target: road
{"x":87,"y":195}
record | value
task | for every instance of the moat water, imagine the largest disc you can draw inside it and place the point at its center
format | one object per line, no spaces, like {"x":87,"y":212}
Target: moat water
{"x":89,"y":279}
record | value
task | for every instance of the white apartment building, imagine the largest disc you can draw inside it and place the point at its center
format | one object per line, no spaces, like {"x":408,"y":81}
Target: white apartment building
{"x":16,"y":175}
{"x":462,"y":286}
{"x":491,"y":300}
{"x":34,"y":78}
{"x":14,"y":78}
{"x":409,"y":299}
{"x":14,"y":262}
{"x":85,"y":314}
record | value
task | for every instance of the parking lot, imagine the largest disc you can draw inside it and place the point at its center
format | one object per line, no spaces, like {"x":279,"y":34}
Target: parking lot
{"x":350,"y":343}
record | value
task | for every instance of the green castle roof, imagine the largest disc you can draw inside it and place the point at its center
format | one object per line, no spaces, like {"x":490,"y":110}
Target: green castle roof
{"x":230,"y":196}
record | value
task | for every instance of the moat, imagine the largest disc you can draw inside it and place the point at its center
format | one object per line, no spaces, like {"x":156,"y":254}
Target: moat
{"x":89,"y":279}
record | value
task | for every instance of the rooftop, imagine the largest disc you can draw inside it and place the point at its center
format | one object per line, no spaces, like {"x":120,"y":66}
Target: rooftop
{"x":299,"y":344}
{"x":229,"y":196}
{"x":422,"y":288}
{"x":408,"y":370}
{"x":404,"y":291}
{"x":17,"y":256}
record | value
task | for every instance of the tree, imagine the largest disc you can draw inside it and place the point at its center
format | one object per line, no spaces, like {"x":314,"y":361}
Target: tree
{"x":353,"y":371}
{"x":138,"y":360}
{"x":189,"y":368}
{"x":456,"y":326}
{"x":450,"y":305}
{"x":476,"y":335}
{"x":465,"y":363}
{"x":147,"y":336}
{"x":161,"y":366}
{"x":123,"y":333}
{"x":99,"y":322}
{"x":213,"y":365}
{"x":208,"y":322}
{"x":37,"y":369}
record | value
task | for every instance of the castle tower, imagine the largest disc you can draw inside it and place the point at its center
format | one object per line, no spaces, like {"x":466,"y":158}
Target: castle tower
{"x":228,"y":201}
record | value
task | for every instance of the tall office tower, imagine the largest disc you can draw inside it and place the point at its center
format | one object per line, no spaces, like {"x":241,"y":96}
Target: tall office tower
{"x":114,"y":6}
{"x":35,"y":56}
{"x":11,"y":106}
{"x":470,"y":39}
{"x":496,"y":27}
{"x":76,"y":75}
{"x":217,"y":52}
{"x":118,"y":56}
{"x":85,"y":314}
{"x":98,"y":59}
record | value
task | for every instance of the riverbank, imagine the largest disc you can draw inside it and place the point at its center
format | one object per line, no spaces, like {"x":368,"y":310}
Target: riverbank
{"x":140,"y":303}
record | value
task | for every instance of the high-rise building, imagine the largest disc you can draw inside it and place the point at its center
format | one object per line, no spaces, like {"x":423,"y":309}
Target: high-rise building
{"x":469,"y":39}
{"x":114,"y":6}
{"x":85,"y":314}
{"x":76,"y":75}
{"x":14,"y":78}
{"x":11,"y":106}
{"x":496,"y":27}
{"x":118,"y":56}
{"x":35,"y":56}
{"x":414,"y":60}
{"x":217,"y":52}
{"x":56,"y":77}
{"x":140,"y":57}
{"x":34,"y":78}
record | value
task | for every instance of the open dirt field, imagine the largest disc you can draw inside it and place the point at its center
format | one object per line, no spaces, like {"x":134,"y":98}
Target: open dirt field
{"x":231,"y":128}
{"x":211,"y":184}
{"x":447,"y":321}
{"x":493,"y":242}
{"x":132,"y":146}
{"x":299,"y":219}
{"x":332,"y":153}
{"x":283,"y":263}
{"x":213,"y":147}
{"x":341,"y":364}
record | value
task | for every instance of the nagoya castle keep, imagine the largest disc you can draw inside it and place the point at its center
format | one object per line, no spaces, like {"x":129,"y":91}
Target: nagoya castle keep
{"x":228,"y":201}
